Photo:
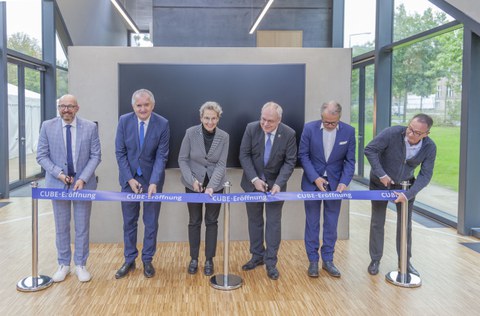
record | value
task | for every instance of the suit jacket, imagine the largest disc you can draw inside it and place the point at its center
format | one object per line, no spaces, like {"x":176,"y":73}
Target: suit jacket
{"x":281,"y":163}
{"x":340,"y":166}
{"x":52,"y":152}
{"x":387,"y":156}
{"x":194,"y":162}
{"x":153,"y":155}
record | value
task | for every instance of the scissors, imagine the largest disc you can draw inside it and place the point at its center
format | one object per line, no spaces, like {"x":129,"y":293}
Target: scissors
{"x":68,"y":181}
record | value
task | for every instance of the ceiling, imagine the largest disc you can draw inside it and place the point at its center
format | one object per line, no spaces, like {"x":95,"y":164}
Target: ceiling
{"x":140,"y":11}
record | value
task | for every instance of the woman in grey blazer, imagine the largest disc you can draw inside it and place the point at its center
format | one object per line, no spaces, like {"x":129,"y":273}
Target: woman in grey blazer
{"x":202,"y":160}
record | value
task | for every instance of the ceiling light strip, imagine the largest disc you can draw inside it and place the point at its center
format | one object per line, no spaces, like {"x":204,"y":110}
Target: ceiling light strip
{"x":260,"y":17}
{"x":125,"y":15}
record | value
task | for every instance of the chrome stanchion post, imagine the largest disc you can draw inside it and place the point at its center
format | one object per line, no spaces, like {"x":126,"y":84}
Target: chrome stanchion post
{"x":402,"y":277}
{"x":226,"y":281}
{"x":35,"y":282}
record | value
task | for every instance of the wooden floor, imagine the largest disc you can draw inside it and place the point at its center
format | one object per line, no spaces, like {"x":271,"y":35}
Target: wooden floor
{"x":450,"y":274}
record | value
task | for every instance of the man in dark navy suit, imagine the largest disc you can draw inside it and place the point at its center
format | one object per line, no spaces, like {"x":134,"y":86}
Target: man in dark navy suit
{"x":141,"y":148}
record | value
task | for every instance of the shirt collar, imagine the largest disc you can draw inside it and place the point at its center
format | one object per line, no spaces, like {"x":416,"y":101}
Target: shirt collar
{"x":73,"y":123}
{"x":336,"y":127}
{"x":146,"y":121}
{"x":418,"y":145}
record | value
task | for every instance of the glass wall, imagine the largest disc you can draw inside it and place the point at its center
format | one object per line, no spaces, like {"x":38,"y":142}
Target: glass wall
{"x":427,"y":78}
{"x":415,"y":16}
{"x":359,"y":26}
{"x":362,"y":113}
{"x":24,"y":27}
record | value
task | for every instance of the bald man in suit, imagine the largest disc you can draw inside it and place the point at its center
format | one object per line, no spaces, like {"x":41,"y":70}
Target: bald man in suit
{"x":69,"y":151}
{"x":268,"y":154}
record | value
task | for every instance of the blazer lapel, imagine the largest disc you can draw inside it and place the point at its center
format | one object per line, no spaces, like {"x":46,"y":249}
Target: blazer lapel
{"x":319,"y":133}
{"x":78,"y":141}
{"x":63,"y":145}
{"x":137,"y":132}
{"x":198,"y":139}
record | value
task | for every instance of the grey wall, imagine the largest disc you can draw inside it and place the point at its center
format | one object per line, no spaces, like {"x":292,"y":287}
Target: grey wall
{"x":93,"y":79}
{"x":207,"y":23}
{"x":469,"y":7}
{"x":93,"y":22}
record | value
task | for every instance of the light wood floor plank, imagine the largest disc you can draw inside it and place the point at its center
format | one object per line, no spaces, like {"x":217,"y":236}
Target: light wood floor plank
{"x":449,"y":270}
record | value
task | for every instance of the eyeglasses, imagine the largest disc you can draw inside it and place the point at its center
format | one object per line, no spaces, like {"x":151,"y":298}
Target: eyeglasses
{"x":416,"y":133}
{"x":334,"y":123}
{"x":66,"y":106}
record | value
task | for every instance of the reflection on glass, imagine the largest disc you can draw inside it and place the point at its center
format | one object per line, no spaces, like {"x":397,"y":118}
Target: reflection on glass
{"x":427,"y":78}
{"x":415,"y":16}
{"x":33,"y":116}
{"x":359,"y":26}
{"x":13,"y":144}
{"x":140,"y":40}
{"x":62,"y":82}
{"x":24,"y":27}
{"x":364,"y":135}
{"x":62,"y":60}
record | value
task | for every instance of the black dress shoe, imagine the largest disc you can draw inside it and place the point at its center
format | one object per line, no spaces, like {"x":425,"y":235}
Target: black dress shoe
{"x":373,"y":267}
{"x":273,"y":273}
{"x":193,"y":266}
{"x":313,"y":270}
{"x":125,"y":269}
{"x":412,"y":270}
{"x":148,"y":269}
{"x":331,"y":269}
{"x":252,"y":264}
{"x":208,"y":269}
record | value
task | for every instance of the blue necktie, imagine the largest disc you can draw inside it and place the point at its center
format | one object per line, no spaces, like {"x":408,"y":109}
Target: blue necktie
{"x":268,"y":149}
{"x":70,"y":168}
{"x":142,"y":138}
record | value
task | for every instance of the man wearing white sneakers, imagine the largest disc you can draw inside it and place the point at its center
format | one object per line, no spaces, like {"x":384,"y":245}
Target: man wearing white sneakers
{"x":69,"y":151}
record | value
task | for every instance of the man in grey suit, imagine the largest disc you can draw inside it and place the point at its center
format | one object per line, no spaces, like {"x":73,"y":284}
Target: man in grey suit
{"x":394,"y":154}
{"x":69,"y":151}
{"x":141,"y":148}
{"x":268,"y":154}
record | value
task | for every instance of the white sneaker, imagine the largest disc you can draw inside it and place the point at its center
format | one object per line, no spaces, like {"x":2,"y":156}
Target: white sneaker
{"x":61,"y":273}
{"x":82,"y":274}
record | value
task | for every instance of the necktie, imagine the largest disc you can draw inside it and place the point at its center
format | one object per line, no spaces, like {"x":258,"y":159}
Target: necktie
{"x":268,"y":149}
{"x":142,"y":138}
{"x":70,"y":168}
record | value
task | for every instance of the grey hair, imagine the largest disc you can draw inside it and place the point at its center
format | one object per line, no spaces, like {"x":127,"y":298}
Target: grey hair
{"x":275,"y":106}
{"x":423,"y":118}
{"x":140,"y":92}
{"x":211,"y":105}
{"x":327,"y":108}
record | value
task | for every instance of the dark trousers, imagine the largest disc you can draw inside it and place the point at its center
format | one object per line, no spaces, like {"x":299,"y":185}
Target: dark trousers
{"x":212,"y":210}
{"x":272,"y":230}
{"x":331,"y":211}
{"x":377,"y":224}
{"x":131,"y":212}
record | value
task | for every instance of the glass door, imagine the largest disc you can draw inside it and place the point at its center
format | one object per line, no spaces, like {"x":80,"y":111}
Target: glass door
{"x":24,"y":119}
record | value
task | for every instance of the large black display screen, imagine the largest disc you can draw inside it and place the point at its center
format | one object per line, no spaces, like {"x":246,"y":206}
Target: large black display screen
{"x":241,"y":90}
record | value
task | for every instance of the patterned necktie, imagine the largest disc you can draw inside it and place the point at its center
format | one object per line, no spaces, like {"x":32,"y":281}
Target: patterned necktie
{"x":268,"y":149}
{"x":70,"y":168}
{"x":142,"y":138}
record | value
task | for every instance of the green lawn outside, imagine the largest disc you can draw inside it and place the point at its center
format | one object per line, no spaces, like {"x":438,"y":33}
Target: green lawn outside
{"x":447,"y":162}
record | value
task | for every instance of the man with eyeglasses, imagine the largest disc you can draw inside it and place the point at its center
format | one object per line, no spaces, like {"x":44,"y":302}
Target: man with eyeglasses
{"x":268,"y":154}
{"x":394,"y":154}
{"x":327,"y":155}
{"x":69,"y":151}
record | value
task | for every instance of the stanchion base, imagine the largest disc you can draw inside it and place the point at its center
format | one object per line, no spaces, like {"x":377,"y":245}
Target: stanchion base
{"x":32,"y":284}
{"x":406,"y":280}
{"x":232,"y":282}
